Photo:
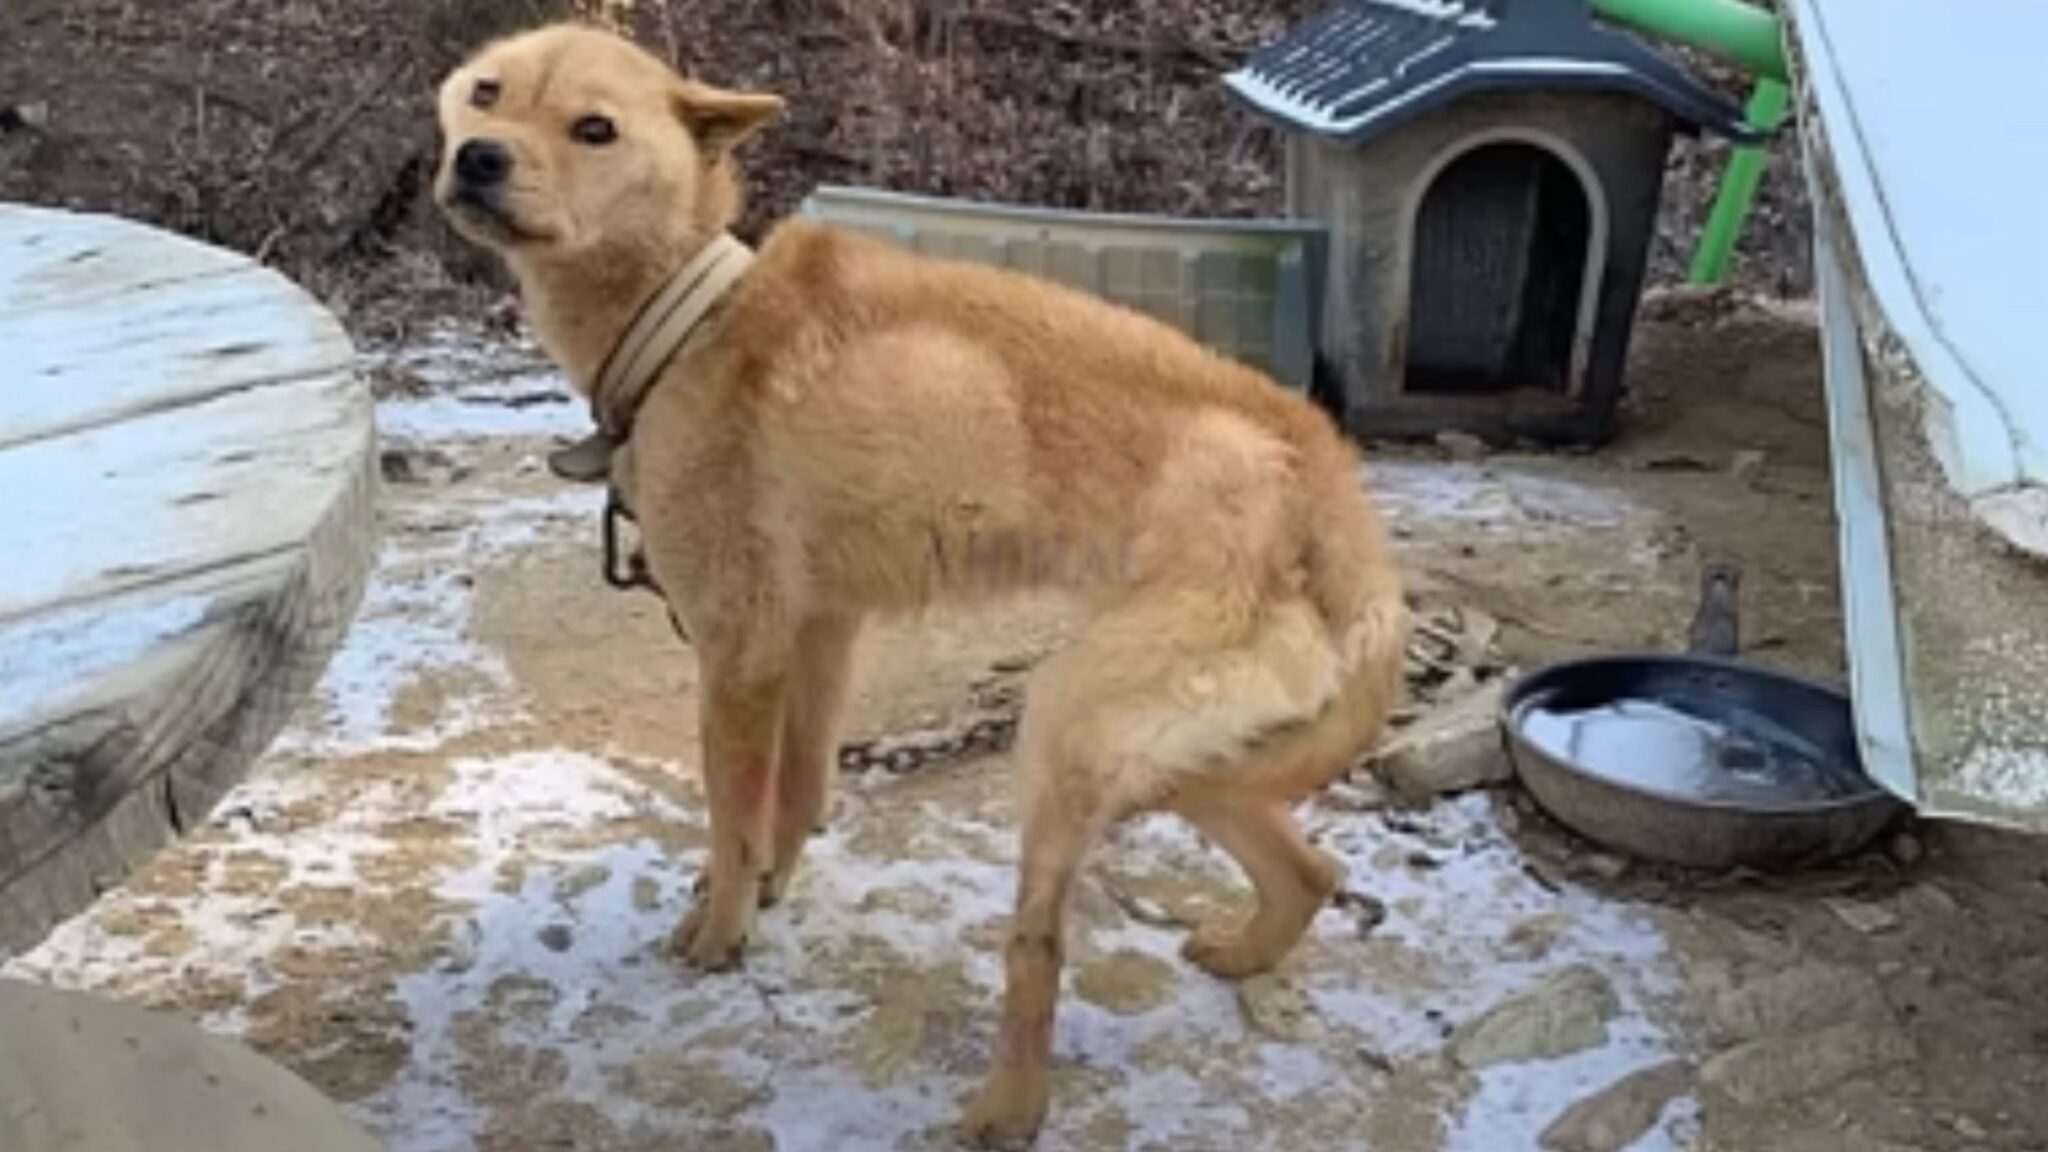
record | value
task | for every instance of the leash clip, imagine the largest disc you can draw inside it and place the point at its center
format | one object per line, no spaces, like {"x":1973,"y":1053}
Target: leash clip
{"x":633,"y":574}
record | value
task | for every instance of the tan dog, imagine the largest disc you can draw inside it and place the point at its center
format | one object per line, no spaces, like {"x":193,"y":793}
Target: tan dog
{"x":851,"y":426}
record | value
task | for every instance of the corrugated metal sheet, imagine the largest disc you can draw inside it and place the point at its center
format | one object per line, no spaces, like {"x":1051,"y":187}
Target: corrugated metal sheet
{"x":1930,"y":242}
{"x":1248,"y":288}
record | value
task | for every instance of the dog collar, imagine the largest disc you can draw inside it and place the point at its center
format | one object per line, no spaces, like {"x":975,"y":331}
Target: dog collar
{"x":662,"y":326}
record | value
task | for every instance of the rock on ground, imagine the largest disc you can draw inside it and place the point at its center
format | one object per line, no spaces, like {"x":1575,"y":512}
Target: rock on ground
{"x":1617,"y":1115}
{"x":1452,"y":749}
{"x":1566,"y":1013}
{"x":1796,"y":1000}
{"x":1784,"y":1067}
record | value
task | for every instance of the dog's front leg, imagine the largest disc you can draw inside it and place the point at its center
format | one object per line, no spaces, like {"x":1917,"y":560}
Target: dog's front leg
{"x":741,"y":702}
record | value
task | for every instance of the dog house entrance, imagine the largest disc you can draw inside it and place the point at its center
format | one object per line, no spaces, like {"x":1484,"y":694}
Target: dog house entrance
{"x":1500,"y":253}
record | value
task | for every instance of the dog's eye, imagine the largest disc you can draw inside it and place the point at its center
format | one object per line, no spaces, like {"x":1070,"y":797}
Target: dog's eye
{"x":484,"y":94}
{"x":594,"y":130}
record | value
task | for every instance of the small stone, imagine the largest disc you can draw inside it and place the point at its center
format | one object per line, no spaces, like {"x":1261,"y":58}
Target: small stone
{"x":1451,"y":749}
{"x":1607,"y":866}
{"x":410,"y":465}
{"x":1787,"y":1067}
{"x":1969,"y":1129}
{"x":1566,"y":1013}
{"x":557,"y":937}
{"x":1481,"y":631}
{"x":1533,"y":938}
{"x":1618,"y":1115}
{"x":34,"y":114}
{"x":1865,"y":917}
{"x":646,"y":894}
{"x":1461,"y":446}
{"x":1275,"y":1007}
{"x":458,"y":955}
{"x":582,"y":881}
{"x":396,"y":466}
{"x":1745,"y":465}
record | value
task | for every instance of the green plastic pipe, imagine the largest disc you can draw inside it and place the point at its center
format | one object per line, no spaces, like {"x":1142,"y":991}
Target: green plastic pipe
{"x":1766,"y":111}
{"x":1741,"y":34}
{"x":1752,"y":39}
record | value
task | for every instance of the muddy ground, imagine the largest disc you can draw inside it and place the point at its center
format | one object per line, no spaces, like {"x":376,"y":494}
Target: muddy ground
{"x":442,"y":896}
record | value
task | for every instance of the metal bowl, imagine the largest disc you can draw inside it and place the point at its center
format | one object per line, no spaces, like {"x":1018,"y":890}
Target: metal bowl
{"x":1697,"y":831}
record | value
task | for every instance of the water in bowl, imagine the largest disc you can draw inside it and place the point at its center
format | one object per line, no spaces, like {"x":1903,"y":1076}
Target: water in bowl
{"x":1735,"y":757}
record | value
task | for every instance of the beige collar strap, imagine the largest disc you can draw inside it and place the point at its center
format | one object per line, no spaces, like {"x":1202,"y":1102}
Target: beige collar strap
{"x":663,"y":325}
{"x":660,"y":329}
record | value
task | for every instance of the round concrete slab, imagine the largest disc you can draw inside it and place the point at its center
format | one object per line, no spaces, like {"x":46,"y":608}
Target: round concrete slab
{"x":82,"y":1074}
{"x":189,"y":463}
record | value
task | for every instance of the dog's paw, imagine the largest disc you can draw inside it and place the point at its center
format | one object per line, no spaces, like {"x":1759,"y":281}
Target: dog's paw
{"x":1224,"y":951}
{"x":703,"y":949}
{"x":1007,"y":1114}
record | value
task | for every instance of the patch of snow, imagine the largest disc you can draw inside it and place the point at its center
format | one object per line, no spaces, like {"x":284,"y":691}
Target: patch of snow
{"x":1495,"y":494}
{"x":230,"y":932}
{"x":413,"y":622}
{"x":1517,"y":1101}
{"x":506,"y":526}
{"x":1170,"y":1106}
{"x":482,"y":413}
{"x":799,"y":1017}
{"x":1458,"y":914}
{"x":1446,"y":925}
{"x":478,"y":386}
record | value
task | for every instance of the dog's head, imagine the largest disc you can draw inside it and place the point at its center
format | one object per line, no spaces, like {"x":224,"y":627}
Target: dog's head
{"x":562,"y":139}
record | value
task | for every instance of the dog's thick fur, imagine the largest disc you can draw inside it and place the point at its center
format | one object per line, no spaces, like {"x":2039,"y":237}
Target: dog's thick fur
{"x":857,"y":429}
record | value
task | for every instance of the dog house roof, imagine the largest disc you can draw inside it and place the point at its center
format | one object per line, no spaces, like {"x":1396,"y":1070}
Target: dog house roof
{"x":1359,"y":67}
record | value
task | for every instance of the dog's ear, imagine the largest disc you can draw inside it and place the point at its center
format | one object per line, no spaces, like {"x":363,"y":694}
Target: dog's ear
{"x":720,"y":119}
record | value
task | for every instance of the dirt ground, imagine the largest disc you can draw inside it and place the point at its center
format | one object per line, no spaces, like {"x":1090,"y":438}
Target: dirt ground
{"x":442,"y":896}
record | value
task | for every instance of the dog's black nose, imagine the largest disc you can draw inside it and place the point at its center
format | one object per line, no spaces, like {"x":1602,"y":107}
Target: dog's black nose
{"x":482,"y":163}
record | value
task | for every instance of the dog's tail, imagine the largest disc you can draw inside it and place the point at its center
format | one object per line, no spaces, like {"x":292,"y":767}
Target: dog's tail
{"x":1355,"y":587}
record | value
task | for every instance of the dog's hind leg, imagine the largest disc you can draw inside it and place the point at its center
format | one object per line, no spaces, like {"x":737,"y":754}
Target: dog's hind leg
{"x":1063,"y":810}
{"x":808,"y":762}
{"x":1291,"y":878}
